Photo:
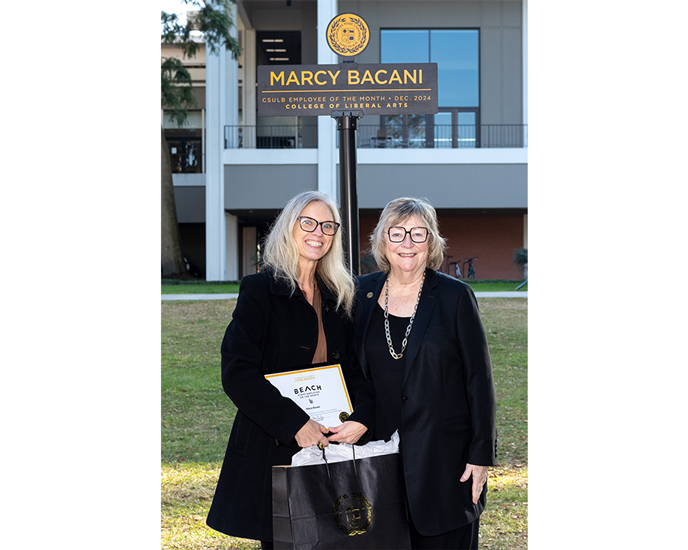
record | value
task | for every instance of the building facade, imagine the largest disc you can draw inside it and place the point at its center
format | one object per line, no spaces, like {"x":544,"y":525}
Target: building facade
{"x":235,"y":170}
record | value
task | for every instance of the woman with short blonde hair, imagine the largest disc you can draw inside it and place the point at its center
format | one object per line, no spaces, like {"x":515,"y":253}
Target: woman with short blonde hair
{"x":421,"y":343}
{"x":401,"y":209}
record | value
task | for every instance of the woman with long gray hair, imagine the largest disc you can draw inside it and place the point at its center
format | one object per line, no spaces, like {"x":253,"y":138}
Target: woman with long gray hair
{"x":296,"y":312}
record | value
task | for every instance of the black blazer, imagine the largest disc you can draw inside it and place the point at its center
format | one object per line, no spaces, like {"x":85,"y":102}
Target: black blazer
{"x":449,"y":408}
{"x":273,"y":331}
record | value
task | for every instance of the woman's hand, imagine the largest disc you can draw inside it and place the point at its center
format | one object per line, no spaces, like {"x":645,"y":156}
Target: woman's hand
{"x":479,"y":474}
{"x":311,"y":434}
{"x":348,"y":432}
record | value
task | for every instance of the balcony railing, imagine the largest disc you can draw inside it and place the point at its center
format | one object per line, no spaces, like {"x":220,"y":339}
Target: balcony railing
{"x":271,"y":137}
{"x":445,"y":136}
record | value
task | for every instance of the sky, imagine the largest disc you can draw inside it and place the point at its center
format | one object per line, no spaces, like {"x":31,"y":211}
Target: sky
{"x":176,"y":6}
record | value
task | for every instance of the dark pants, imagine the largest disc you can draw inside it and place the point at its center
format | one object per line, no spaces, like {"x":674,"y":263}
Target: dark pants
{"x":266,"y":545}
{"x":465,"y":538}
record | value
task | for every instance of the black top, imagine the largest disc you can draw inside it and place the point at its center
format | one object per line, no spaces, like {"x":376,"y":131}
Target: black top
{"x":273,"y":330}
{"x":449,"y":405}
{"x":386,"y":372}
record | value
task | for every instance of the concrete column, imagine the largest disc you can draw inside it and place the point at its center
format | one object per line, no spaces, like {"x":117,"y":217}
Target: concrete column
{"x":250,"y":239}
{"x":232,"y":78}
{"x":327,"y":128}
{"x":525,"y":68}
{"x":215,"y":231}
{"x":231,"y":118}
{"x":232,"y":247}
{"x":250,"y":87}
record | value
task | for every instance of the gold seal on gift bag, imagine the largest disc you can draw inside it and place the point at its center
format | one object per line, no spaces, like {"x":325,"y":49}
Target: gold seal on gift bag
{"x":353,"y":513}
{"x":343,"y":416}
{"x":348,"y":34}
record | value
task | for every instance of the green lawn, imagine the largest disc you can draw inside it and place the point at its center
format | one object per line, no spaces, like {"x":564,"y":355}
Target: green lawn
{"x":197,"y":417}
{"x":199,"y":287}
{"x":203,"y":287}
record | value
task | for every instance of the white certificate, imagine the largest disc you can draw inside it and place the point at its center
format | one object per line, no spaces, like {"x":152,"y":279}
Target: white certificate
{"x":321,"y":392}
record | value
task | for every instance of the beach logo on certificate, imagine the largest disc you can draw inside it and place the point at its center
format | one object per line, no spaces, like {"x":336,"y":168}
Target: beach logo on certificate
{"x":353,"y":513}
{"x":348,"y":34}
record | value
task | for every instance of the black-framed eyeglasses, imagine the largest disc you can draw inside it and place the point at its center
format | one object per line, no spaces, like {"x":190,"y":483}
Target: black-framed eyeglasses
{"x":309,"y":225}
{"x":398,"y":234}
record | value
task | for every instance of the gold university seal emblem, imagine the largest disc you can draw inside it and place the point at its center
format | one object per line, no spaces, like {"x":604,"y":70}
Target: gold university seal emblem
{"x":348,"y":34}
{"x":353,"y":513}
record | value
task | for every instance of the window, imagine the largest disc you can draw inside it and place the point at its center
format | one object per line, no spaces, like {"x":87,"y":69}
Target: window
{"x":278,"y":47}
{"x":185,"y":143}
{"x":185,"y":151}
{"x":457,"y":54}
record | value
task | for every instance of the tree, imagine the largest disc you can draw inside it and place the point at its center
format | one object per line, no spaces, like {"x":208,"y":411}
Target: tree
{"x":214,"y":21}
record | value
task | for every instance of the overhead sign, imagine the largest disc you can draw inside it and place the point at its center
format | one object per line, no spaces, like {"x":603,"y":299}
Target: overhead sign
{"x":348,"y":34}
{"x":374,"y":89}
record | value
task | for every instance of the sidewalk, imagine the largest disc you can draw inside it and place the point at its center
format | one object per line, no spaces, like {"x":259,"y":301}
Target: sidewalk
{"x":170,"y":297}
{"x":198,"y":296}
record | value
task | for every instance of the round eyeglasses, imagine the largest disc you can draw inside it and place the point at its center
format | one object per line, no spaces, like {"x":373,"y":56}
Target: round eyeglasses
{"x":398,"y":234}
{"x":309,"y":225}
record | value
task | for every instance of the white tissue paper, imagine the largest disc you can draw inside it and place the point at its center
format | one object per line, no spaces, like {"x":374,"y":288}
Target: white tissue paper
{"x":338,"y":453}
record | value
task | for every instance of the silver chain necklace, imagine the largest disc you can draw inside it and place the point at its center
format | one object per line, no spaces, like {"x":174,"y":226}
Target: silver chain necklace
{"x":408,"y":330}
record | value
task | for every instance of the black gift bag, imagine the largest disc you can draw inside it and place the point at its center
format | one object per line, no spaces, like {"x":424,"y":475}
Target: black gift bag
{"x":357,"y":504}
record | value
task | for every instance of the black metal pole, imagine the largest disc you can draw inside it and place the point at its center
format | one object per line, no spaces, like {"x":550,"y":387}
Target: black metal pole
{"x":346,"y":127}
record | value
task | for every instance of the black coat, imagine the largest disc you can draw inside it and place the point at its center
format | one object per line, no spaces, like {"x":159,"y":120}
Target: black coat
{"x":448,"y":399}
{"x":273,"y":331}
